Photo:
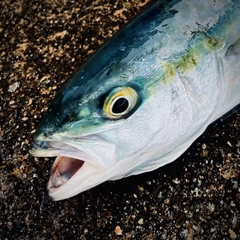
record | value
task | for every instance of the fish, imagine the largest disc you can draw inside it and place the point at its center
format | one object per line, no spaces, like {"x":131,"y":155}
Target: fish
{"x":143,"y":98}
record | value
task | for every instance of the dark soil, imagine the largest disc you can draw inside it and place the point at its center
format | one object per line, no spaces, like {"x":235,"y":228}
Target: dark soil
{"x":196,"y":197}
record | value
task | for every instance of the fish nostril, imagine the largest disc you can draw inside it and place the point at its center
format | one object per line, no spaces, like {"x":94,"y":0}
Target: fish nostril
{"x":47,"y":134}
{"x":39,"y":144}
{"x":43,"y":145}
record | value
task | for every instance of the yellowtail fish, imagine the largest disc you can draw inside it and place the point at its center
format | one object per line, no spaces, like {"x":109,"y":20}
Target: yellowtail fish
{"x":145,"y":96}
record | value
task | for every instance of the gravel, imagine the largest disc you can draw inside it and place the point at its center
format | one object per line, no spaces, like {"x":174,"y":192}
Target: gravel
{"x":195,"y":197}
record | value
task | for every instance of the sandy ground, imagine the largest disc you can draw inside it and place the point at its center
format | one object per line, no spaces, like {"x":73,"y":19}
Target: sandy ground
{"x":195,"y":197}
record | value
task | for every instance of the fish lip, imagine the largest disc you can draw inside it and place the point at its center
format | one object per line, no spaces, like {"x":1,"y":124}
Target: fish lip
{"x":43,"y":149}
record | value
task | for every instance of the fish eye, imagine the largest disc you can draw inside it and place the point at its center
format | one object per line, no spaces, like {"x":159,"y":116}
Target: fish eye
{"x":120,"y":102}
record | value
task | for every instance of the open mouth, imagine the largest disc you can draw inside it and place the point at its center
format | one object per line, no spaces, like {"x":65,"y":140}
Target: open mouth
{"x":64,"y":166}
{"x":63,"y":169}
{"x":80,"y":164}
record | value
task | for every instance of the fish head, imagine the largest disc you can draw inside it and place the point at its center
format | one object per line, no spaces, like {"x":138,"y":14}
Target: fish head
{"x":90,"y":127}
{"x":117,"y":116}
{"x":94,"y":125}
{"x":106,"y":127}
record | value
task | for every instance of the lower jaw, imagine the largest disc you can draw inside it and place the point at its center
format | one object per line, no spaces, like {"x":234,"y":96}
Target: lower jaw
{"x":63,"y":169}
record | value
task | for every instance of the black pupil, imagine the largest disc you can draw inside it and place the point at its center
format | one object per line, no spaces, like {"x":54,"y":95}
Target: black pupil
{"x":121,"y":105}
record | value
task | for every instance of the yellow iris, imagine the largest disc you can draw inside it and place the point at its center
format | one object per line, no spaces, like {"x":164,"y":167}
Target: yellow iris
{"x":120,"y":102}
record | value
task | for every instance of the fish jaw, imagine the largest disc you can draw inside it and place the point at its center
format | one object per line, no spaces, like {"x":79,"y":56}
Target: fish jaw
{"x":70,"y":176}
{"x":78,"y":166}
{"x":63,"y":169}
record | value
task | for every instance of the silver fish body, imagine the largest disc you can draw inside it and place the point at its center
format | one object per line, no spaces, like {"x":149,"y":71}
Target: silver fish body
{"x":145,"y":96}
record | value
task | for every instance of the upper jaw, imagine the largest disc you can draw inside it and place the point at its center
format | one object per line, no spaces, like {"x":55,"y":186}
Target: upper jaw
{"x":94,"y":149}
{"x":43,"y":149}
